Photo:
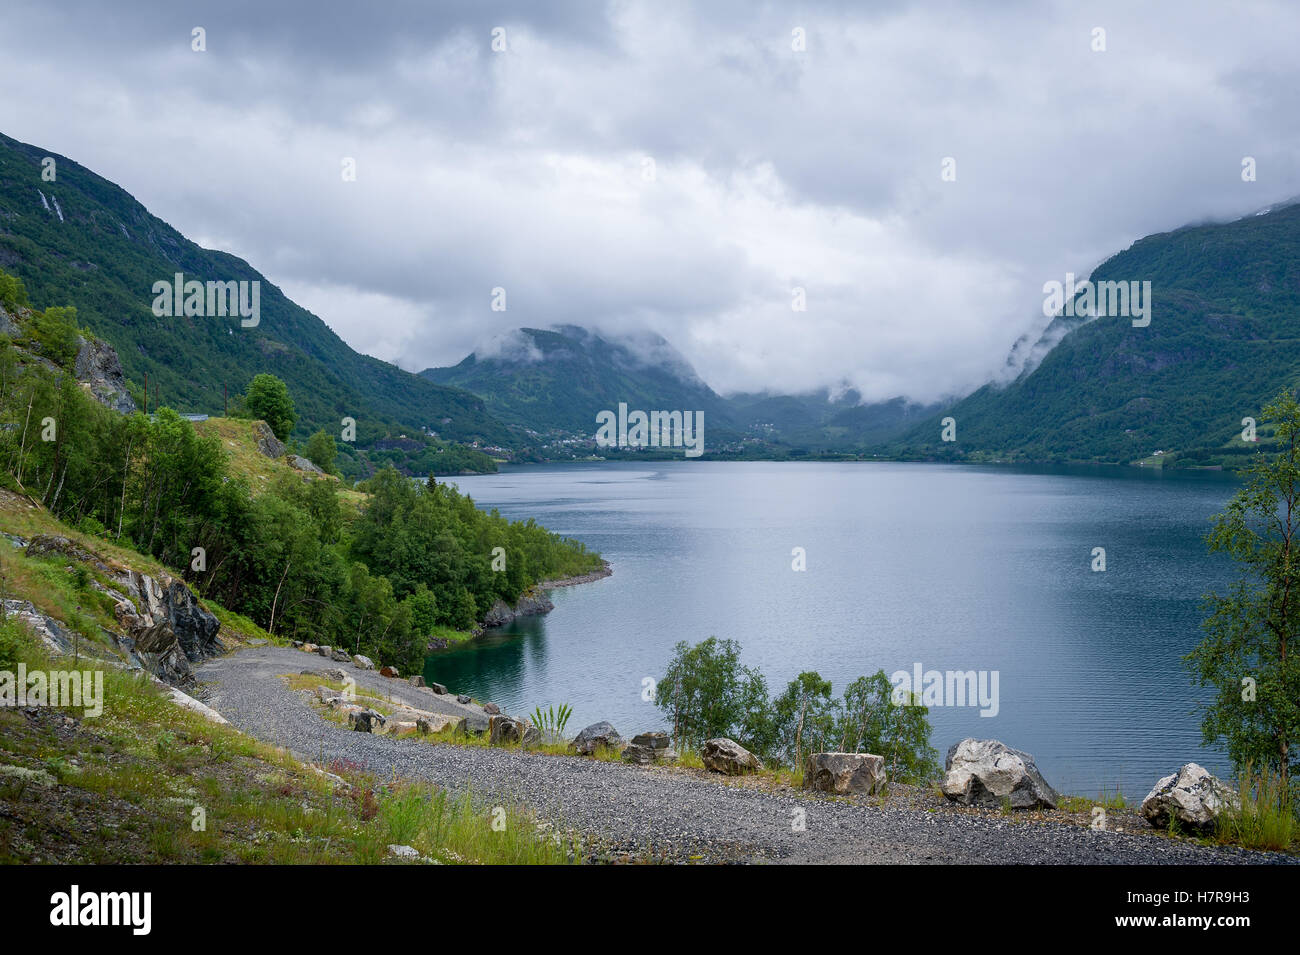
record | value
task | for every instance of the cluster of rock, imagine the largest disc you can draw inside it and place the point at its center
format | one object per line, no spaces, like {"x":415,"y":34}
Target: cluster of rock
{"x":407,"y":719}
{"x":988,"y":773}
{"x":647,"y":748}
{"x":163,"y":627}
{"x":268,"y":445}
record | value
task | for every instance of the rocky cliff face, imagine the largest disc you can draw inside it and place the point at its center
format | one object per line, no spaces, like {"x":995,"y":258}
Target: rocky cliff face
{"x":96,"y":366}
{"x":162,"y":626}
{"x":99,"y":370}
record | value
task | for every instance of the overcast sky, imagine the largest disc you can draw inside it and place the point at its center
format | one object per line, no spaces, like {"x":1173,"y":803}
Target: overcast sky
{"x":773,"y":167}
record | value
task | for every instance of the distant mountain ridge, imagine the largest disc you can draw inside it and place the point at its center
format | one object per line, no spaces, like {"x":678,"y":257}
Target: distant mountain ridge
{"x":1224,"y":337}
{"x":81,"y":240}
{"x":561,"y":378}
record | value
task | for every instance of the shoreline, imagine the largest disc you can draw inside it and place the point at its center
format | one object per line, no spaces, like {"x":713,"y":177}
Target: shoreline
{"x":531,"y":603}
{"x":587,"y":578}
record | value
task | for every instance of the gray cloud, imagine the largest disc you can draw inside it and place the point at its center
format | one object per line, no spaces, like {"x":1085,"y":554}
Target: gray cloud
{"x":773,"y":168}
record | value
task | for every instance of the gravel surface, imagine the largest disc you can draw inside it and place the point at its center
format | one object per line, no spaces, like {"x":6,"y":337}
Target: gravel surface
{"x":672,"y":814}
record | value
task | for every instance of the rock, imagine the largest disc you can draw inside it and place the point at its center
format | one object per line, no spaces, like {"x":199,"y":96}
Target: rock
{"x":49,"y":631}
{"x":396,"y":727}
{"x":47,"y":545}
{"x":165,"y":627}
{"x":438,"y":688}
{"x":310,"y":673}
{"x":463,"y":698}
{"x":433,"y":723}
{"x":256,"y":642}
{"x":296,"y":644}
{"x":985,"y":772}
{"x":474,"y":723}
{"x":532,"y":601}
{"x":507,"y":729}
{"x":403,"y":852}
{"x":100,"y":371}
{"x":363,"y":663}
{"x":326,"y":695}
{"x":644,"y":755}
{"x":655,"y":740}
{"x":416,"y":681}
{"x":438,"y":643}
{"x":844,"y":773}
{"x":491,"y":709}
{"x":267,"y":443}
{"x":1192,"y":796}
{"x":726,"y":756}
{"x":595,"y":736}
{"x":340,"y":656}
{"x":324,"y":651}
{"x":308,"y":647}
{"x":365,"y":721}
{"x":334,"y":673}
{"x":498,"y":614}
{"x":300,"y":463}
{"x":389,"y":671}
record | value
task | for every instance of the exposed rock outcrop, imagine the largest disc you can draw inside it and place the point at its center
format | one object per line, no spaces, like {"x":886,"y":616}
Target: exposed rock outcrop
{"x":267,"y":443}
{"x":97,"y":367}
{"x":300,"y":463}
{"x":164,"y":628}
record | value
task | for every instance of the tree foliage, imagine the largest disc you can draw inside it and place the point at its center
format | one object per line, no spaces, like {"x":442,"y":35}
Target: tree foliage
{"x":268,"y":398}
{"x":1249,"y":653}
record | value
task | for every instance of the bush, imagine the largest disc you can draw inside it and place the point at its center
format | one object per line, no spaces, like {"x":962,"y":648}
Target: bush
{"x":12,"y":291}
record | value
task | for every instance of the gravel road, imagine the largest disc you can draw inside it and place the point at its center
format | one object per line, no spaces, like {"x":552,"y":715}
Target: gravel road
{"x":668,"y":813}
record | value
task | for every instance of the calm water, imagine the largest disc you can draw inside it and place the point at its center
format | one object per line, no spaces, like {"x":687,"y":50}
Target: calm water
{"x":953,"y":567}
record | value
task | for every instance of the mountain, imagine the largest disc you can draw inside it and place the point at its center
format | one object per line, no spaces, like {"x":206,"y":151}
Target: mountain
{"x":80,"y":240}
{"x":559,"y":379}
{"x":1223,"y":338}
{"x":819,"y":421}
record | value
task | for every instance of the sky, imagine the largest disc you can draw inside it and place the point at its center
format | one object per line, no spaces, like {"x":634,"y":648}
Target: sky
{"x":911,"y":173}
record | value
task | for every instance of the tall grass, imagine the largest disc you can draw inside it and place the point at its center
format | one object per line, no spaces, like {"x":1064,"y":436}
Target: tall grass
{"x":1266,"y":818}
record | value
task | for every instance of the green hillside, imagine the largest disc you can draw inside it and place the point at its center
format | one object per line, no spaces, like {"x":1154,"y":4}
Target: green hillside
{"x":560,"y":379}
{"x":1224,"y":337}
{"x":83,"y":241}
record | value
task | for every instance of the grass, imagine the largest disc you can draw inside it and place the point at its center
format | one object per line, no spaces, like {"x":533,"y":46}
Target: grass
{"x":1266,"y":818}
{"x":150,"y":782}
{"x":240,"y":445}
{"x":440,"y":632}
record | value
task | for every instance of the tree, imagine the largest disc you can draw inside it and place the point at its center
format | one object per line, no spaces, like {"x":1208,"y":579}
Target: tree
{"x":707,"y":693}
{"x":1249,"y":651}
{"x":322,"y":451}
{"x":268,"y":398}
{"x":871,"y":721}
{"x":805,"y":717}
